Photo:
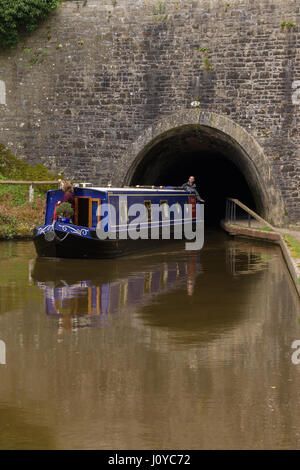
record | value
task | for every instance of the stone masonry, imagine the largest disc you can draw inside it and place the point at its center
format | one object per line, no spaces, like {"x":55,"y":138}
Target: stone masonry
{"x":81,"y":90}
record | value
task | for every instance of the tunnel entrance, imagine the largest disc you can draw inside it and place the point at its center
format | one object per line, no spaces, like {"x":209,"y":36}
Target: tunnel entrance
{"x":220,"y":166}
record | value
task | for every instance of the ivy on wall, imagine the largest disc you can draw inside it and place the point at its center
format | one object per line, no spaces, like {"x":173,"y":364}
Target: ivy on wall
{"x":17,"y":16}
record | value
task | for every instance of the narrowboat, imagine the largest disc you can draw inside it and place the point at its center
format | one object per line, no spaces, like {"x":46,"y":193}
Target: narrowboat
{"x":110,"y":222}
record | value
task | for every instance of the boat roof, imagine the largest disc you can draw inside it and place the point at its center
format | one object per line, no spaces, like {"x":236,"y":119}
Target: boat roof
{"x":135,"y":189}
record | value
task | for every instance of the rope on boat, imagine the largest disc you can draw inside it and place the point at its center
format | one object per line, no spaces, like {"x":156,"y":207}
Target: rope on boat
{"x":51,"y":235}
{"x":61,"y":239}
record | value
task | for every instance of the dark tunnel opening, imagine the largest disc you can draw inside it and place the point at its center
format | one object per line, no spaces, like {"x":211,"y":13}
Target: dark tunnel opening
{"x":220,"y":167}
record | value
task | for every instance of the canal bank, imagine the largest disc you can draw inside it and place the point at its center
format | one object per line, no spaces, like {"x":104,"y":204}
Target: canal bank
{"x":288,"y":240}
{"x":18,"y":221}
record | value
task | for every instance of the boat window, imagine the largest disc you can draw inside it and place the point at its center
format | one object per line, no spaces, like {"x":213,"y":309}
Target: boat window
{"x":123,"y":212}
{"x":82,"y":211}
{"x":95,"y":212}
{"x":165,"y":209}
{"x":148,"y":207}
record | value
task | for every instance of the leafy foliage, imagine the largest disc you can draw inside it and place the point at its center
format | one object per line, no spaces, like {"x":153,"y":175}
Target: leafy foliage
{"x":65,"y":209}
{"x":18,"y":220}
{"x":17,"y":16}
{"x":18,"y":216}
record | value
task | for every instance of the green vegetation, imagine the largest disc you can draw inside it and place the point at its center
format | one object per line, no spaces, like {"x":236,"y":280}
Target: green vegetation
{"x":265,"y":257}
{"x":64,"y":210}
{"x":14,"y":169}
{"x":267,"y":229}
{"x":207,"y":65}
{"x":18,"y":16}
{"x":18,"y":221}
{"x":289,"y":24}
{"x":18,"y":216}
{"x":293,"y":245}
{"x":36,"y":57}
{"x":160,"y":12}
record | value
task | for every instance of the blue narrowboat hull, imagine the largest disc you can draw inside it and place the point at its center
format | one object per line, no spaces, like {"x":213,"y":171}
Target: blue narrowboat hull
{"x":69,"y":244}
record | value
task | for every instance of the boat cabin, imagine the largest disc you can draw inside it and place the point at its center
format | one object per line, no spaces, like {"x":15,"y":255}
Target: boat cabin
{"x":88,"y":201}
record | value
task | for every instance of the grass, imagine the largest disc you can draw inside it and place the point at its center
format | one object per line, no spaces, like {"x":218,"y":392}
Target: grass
{"x":265,"y":229}
{"x":18,"y":216}
{"x":293,"y":245}
{"x":160,"y":12}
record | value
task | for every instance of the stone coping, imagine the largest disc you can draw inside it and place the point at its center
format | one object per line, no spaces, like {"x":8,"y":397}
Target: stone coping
{"x":272,"y":237}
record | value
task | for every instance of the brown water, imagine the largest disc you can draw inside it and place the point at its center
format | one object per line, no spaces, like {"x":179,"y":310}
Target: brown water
{"x":169,"y":349}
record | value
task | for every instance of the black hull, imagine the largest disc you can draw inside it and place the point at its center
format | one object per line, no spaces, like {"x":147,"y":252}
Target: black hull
{"x":74,"y":246}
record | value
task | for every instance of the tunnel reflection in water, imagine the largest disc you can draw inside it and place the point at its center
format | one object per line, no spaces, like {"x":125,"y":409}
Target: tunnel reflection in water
{"x":221,"y":168}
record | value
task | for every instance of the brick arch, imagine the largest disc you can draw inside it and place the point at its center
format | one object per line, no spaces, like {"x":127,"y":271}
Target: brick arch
{"x":249,"y":155}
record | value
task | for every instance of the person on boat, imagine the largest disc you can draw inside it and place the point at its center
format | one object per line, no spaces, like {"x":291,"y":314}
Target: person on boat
{"x":68,"y":196}
{"x":68,"y":193}
{"x":191,"y":186}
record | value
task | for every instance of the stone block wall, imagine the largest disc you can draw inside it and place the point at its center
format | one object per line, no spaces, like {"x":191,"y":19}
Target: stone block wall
{"x":79,"y":91}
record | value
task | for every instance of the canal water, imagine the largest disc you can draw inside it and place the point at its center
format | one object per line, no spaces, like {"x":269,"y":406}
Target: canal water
{"x":162,"y":350}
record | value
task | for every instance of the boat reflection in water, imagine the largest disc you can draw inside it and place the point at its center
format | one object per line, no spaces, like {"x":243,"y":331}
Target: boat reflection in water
{"x":79,"y":296}
{"x":82,"y":293}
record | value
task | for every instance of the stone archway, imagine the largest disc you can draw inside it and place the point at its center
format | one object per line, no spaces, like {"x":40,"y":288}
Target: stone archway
{"x":205,"y":134}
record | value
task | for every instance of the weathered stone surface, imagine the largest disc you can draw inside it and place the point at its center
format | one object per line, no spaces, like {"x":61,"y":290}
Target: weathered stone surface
{"x":95,"y":84}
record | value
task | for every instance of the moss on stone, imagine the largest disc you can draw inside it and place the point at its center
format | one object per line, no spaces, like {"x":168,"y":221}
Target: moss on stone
{"x":293,"y":245}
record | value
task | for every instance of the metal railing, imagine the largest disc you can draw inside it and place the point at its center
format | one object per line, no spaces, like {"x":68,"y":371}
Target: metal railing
{"x":31,"y":185}
{"x":36,"y":183}
{"x":231,"y":210}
